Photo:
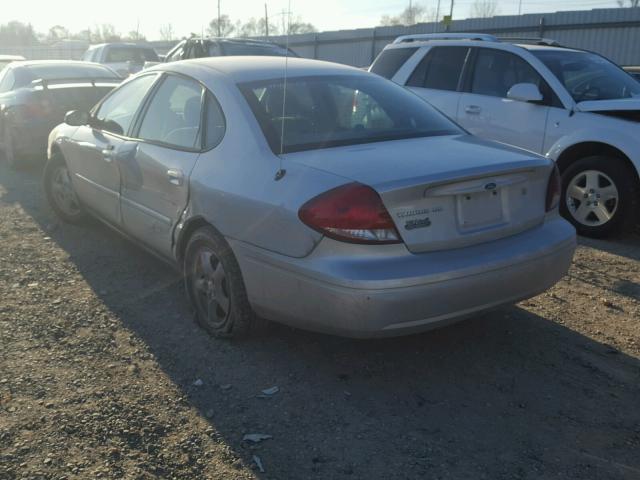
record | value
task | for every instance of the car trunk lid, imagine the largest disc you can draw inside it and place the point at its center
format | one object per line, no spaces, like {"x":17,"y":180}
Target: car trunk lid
{"x":445,"y":192}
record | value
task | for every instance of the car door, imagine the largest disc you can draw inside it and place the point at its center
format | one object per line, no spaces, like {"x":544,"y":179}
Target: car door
{"x":90,"y":153}
{"x":155,"y":186}
{"x":437,"y":78}
{"x":485,"y":109}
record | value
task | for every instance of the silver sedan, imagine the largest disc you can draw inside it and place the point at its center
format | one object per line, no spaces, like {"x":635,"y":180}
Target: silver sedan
{"x":312,"y":194}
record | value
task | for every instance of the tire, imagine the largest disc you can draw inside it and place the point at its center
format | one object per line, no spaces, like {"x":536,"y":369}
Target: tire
{"x":215,"y":286}
{"x":600,"y":196}
{"x":13,"y":159}
{"x":59,"y":191}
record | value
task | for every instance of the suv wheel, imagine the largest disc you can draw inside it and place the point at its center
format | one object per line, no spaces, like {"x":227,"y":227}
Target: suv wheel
{"x":600,"y":196}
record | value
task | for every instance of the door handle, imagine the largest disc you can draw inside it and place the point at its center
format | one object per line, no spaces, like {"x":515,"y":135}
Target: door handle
{"x":176,"y":177}
{"x":108,"y":153}
{"x":472,"y":109}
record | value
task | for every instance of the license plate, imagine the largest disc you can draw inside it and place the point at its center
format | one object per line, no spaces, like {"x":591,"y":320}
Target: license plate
{"x":479,"y":210}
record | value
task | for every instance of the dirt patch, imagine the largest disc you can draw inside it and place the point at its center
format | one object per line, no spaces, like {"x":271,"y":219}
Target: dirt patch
{"x":103,"y":374}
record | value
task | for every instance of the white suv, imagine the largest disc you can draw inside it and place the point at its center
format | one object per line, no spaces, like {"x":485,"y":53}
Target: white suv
{"x":574,"y":106}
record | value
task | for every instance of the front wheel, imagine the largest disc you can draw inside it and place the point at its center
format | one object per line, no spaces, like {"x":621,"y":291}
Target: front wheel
{"x":60,"y":193}
{"x":215,"y":286}
{"x":600,"y":196}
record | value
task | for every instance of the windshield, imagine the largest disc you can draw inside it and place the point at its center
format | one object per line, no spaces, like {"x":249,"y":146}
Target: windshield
{"x":588,"y":76}
{"x":128,"y":54}
{"x":329,"y":111}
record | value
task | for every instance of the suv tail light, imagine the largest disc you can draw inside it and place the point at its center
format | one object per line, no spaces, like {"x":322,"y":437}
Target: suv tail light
{"x":350,"y":213}
{"x":553,"y":189}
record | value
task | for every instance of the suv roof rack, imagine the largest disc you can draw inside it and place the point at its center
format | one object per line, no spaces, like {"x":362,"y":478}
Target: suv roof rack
{"x":446,"y":36}
{"x":485,"y":37}
{"x":530,"y":41}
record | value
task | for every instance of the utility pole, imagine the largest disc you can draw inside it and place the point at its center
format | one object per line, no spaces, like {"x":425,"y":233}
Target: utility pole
{"x":451,"y":11}
{"x":435,"y":26}
{"x":412,"y":19}
{"x":266,"y":21}
{"x":138,"y":31}
{"x":520,"y":7}
{"x":219,"y":34}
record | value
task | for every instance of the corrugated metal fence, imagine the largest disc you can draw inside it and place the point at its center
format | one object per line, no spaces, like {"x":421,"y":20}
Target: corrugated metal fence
{"x":613,"y":32}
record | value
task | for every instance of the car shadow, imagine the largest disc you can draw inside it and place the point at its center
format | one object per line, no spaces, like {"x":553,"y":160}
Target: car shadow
{"x":508,"y":394}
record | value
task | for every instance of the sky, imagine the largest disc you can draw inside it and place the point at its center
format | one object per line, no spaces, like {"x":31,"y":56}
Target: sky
{"x":188,"y":16}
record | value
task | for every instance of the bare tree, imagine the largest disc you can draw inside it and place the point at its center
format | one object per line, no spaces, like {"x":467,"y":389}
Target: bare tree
{"x":628,"y":3}
{"x":297,"y":26}
{"x":166,"y":32}
{"x":226,"y":26}
{"x":409,"y":16}
{"x":486,"y":8}
{"x":57,"y":32}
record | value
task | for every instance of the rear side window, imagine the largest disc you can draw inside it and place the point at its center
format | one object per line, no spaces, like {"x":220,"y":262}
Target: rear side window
{"x":440,"y":69}
{"x":390,"y":61}
{"x":215,"y":123}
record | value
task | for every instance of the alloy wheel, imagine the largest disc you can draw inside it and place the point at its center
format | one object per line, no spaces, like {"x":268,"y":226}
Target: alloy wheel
{"x":211,"y":290}
{"x":592,"y":198}
{"x":63,"y":193}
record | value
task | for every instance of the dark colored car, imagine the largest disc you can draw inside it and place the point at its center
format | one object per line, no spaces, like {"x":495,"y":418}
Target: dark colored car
{"x":633,"y":71}
{"x":219,"y":47}
{"x":35,"y":96}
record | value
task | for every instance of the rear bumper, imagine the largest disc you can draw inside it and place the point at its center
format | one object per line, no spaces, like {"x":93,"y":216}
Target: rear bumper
{"x":393,"y":292}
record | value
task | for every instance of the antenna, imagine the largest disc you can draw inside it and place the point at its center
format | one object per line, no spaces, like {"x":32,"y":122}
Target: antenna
{"x":281,"y":172}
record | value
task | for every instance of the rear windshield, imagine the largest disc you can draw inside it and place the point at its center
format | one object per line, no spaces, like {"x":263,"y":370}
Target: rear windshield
{"x":329,"y":111}
{"x":588,"y":76}
{"x":259,"y":50}
{"x":26,"y":75}
{"x":130,"y":54}
{"x":390,"y":61}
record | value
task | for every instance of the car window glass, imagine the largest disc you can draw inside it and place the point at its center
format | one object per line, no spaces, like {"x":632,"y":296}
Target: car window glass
{"x":176,"y":54}
{"x":7,"y":80}
{"x":214,"y":49}
{"x":440,"y":69}
{"x":215,"y":123}
{"x":174,"y":113}
{"x":116,"y":113}
{"x":496,"y":71}
{"x":329,"y":111}
{"x":128,"y":54}
{"x":390,"y":61}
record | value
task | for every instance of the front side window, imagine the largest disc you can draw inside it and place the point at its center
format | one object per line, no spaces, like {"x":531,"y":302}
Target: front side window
{"x":440,"y":69}
{"x":329,"y":111}
{"x":174,"y":113}
{"x":496,"y":71}
{"x":116,"y":113}
{"x":588,"y":76}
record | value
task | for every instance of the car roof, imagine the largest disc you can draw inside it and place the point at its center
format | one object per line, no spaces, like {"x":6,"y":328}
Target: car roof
{"x":11,"y":57}
{"x":123,"y":45}
{"x":252,"y":68}
{"x":244,"y":41}
{"x":478,"y":43}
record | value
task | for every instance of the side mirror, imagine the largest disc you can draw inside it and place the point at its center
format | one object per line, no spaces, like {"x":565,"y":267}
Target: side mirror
{"x":525,"y":92}
{"x":76,"y":118}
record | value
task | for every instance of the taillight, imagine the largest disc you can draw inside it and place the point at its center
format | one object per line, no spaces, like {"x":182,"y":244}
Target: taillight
{"x":553,"y":190}
{"x":350,"y":213}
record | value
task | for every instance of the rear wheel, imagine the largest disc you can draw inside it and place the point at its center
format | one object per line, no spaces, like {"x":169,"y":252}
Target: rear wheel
{"x":10,"y":154}
{"x":600,"y":196}
{"x":215,"y":286}
{"x":59,"y":191}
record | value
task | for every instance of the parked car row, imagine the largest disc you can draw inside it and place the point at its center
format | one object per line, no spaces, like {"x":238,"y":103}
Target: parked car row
{"x":328,"y":198}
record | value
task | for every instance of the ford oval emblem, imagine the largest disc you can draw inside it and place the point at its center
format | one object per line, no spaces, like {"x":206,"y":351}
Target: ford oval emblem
{"x":490,"y":186}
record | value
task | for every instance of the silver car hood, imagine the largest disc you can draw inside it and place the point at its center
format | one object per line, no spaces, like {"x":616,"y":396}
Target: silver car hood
{"x":396,"y":164}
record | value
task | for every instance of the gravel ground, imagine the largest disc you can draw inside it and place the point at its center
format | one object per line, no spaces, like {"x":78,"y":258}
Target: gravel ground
{"x":103,"y":374}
